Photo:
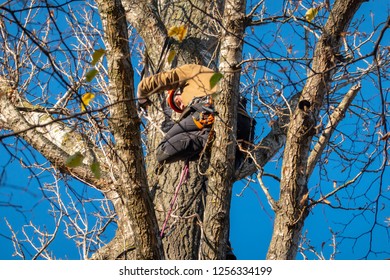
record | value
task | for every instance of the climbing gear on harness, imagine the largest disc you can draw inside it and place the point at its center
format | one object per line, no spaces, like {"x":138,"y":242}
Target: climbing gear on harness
{"x":199,"y":104}
{"x":204,"y":111}
{"x":202,"y":119}
{"x":206,"y":100}
{"x":183,"y":178}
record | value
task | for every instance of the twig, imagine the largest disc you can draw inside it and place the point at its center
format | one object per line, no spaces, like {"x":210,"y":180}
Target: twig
{"x":270,"y":199}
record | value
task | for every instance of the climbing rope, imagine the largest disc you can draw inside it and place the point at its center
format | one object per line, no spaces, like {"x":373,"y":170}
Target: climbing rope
{"x":183,"y":178}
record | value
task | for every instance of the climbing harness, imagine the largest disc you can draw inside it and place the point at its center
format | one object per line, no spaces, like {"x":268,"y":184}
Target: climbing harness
{"x":202,"y":119}
{"x":204,"y":111}
{"x":183,"y":178}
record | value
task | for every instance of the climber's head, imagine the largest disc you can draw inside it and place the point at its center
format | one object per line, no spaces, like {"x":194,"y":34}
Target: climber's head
{"x":175,"y":100}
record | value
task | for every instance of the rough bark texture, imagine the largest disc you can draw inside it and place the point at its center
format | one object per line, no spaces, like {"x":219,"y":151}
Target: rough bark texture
{"x":182,"y":236}
{"x":39,"y":130}
{"x":132,"y":185}
{"x":221,"y":170}
{"x":182,"y":240}
{"x":292,"y":206}
{"x":198,"y":227}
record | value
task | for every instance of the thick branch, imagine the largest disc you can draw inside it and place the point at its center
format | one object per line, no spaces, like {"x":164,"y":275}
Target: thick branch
{"x":142,"y":14}
{"x":50,"y":145}
{"x":221,"y":170}
{"x":132,"y":188}
{"x":293,"y":200}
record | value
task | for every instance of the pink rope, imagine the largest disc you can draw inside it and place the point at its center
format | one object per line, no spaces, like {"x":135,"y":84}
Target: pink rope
{"x":183,"y":178}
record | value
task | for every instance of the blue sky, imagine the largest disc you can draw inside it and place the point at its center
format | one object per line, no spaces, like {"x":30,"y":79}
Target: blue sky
{"x":251,"y":225}
{"x":251,"y":216}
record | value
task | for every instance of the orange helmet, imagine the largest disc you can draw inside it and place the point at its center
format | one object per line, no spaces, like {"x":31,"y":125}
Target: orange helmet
{"x":171,"y":101}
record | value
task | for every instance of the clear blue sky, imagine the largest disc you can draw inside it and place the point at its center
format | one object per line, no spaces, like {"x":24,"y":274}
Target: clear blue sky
{"x":251,"y":216}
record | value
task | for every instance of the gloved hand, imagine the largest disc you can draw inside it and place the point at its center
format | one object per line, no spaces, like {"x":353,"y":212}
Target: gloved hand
{"x":203,"y":119}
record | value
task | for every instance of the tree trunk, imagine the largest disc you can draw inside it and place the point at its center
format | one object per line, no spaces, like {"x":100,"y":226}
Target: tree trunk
{"x":132,"y":184}
{"x":198,"y":227}
{"x":292,"y":207}
{"x":222,"y":163}
{"x":183,"y":230}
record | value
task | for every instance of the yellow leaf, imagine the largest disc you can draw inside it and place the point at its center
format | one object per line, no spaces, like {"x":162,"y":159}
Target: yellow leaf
{"x":178,"y":32}
{"x":74,"y":160}
{"x":95,"y":168}
{"x":311,"y":13}
{"x":171,"y":55}
{"x":86,"y":98}
{"x":91,"y":74}
{"x":97,"y":55}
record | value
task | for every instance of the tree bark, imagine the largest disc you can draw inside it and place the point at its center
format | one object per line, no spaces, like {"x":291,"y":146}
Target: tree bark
{"x":292,"y":206}
{"x":199,"y":225}
{"x":182,"y":235}
{"x":222,"y":161}
{"x":132,"y":186}
{"x":334,"y":120}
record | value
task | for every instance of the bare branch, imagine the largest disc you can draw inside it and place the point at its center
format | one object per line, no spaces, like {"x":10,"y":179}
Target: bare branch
{"x":334,"y":119}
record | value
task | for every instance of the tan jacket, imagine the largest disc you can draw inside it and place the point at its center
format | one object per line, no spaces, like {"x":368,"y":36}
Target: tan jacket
{"x":192,"y":79}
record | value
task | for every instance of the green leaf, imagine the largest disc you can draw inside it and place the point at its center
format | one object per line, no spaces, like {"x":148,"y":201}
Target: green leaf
{"x":215,"y":78}
{"x":74,"y":160}
{"x":91,"y":74}
{"x":95,"y":168}
{"x":97,"y":55}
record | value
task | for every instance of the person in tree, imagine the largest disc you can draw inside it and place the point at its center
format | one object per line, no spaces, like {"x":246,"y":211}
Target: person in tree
{"x":190,"y":94}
